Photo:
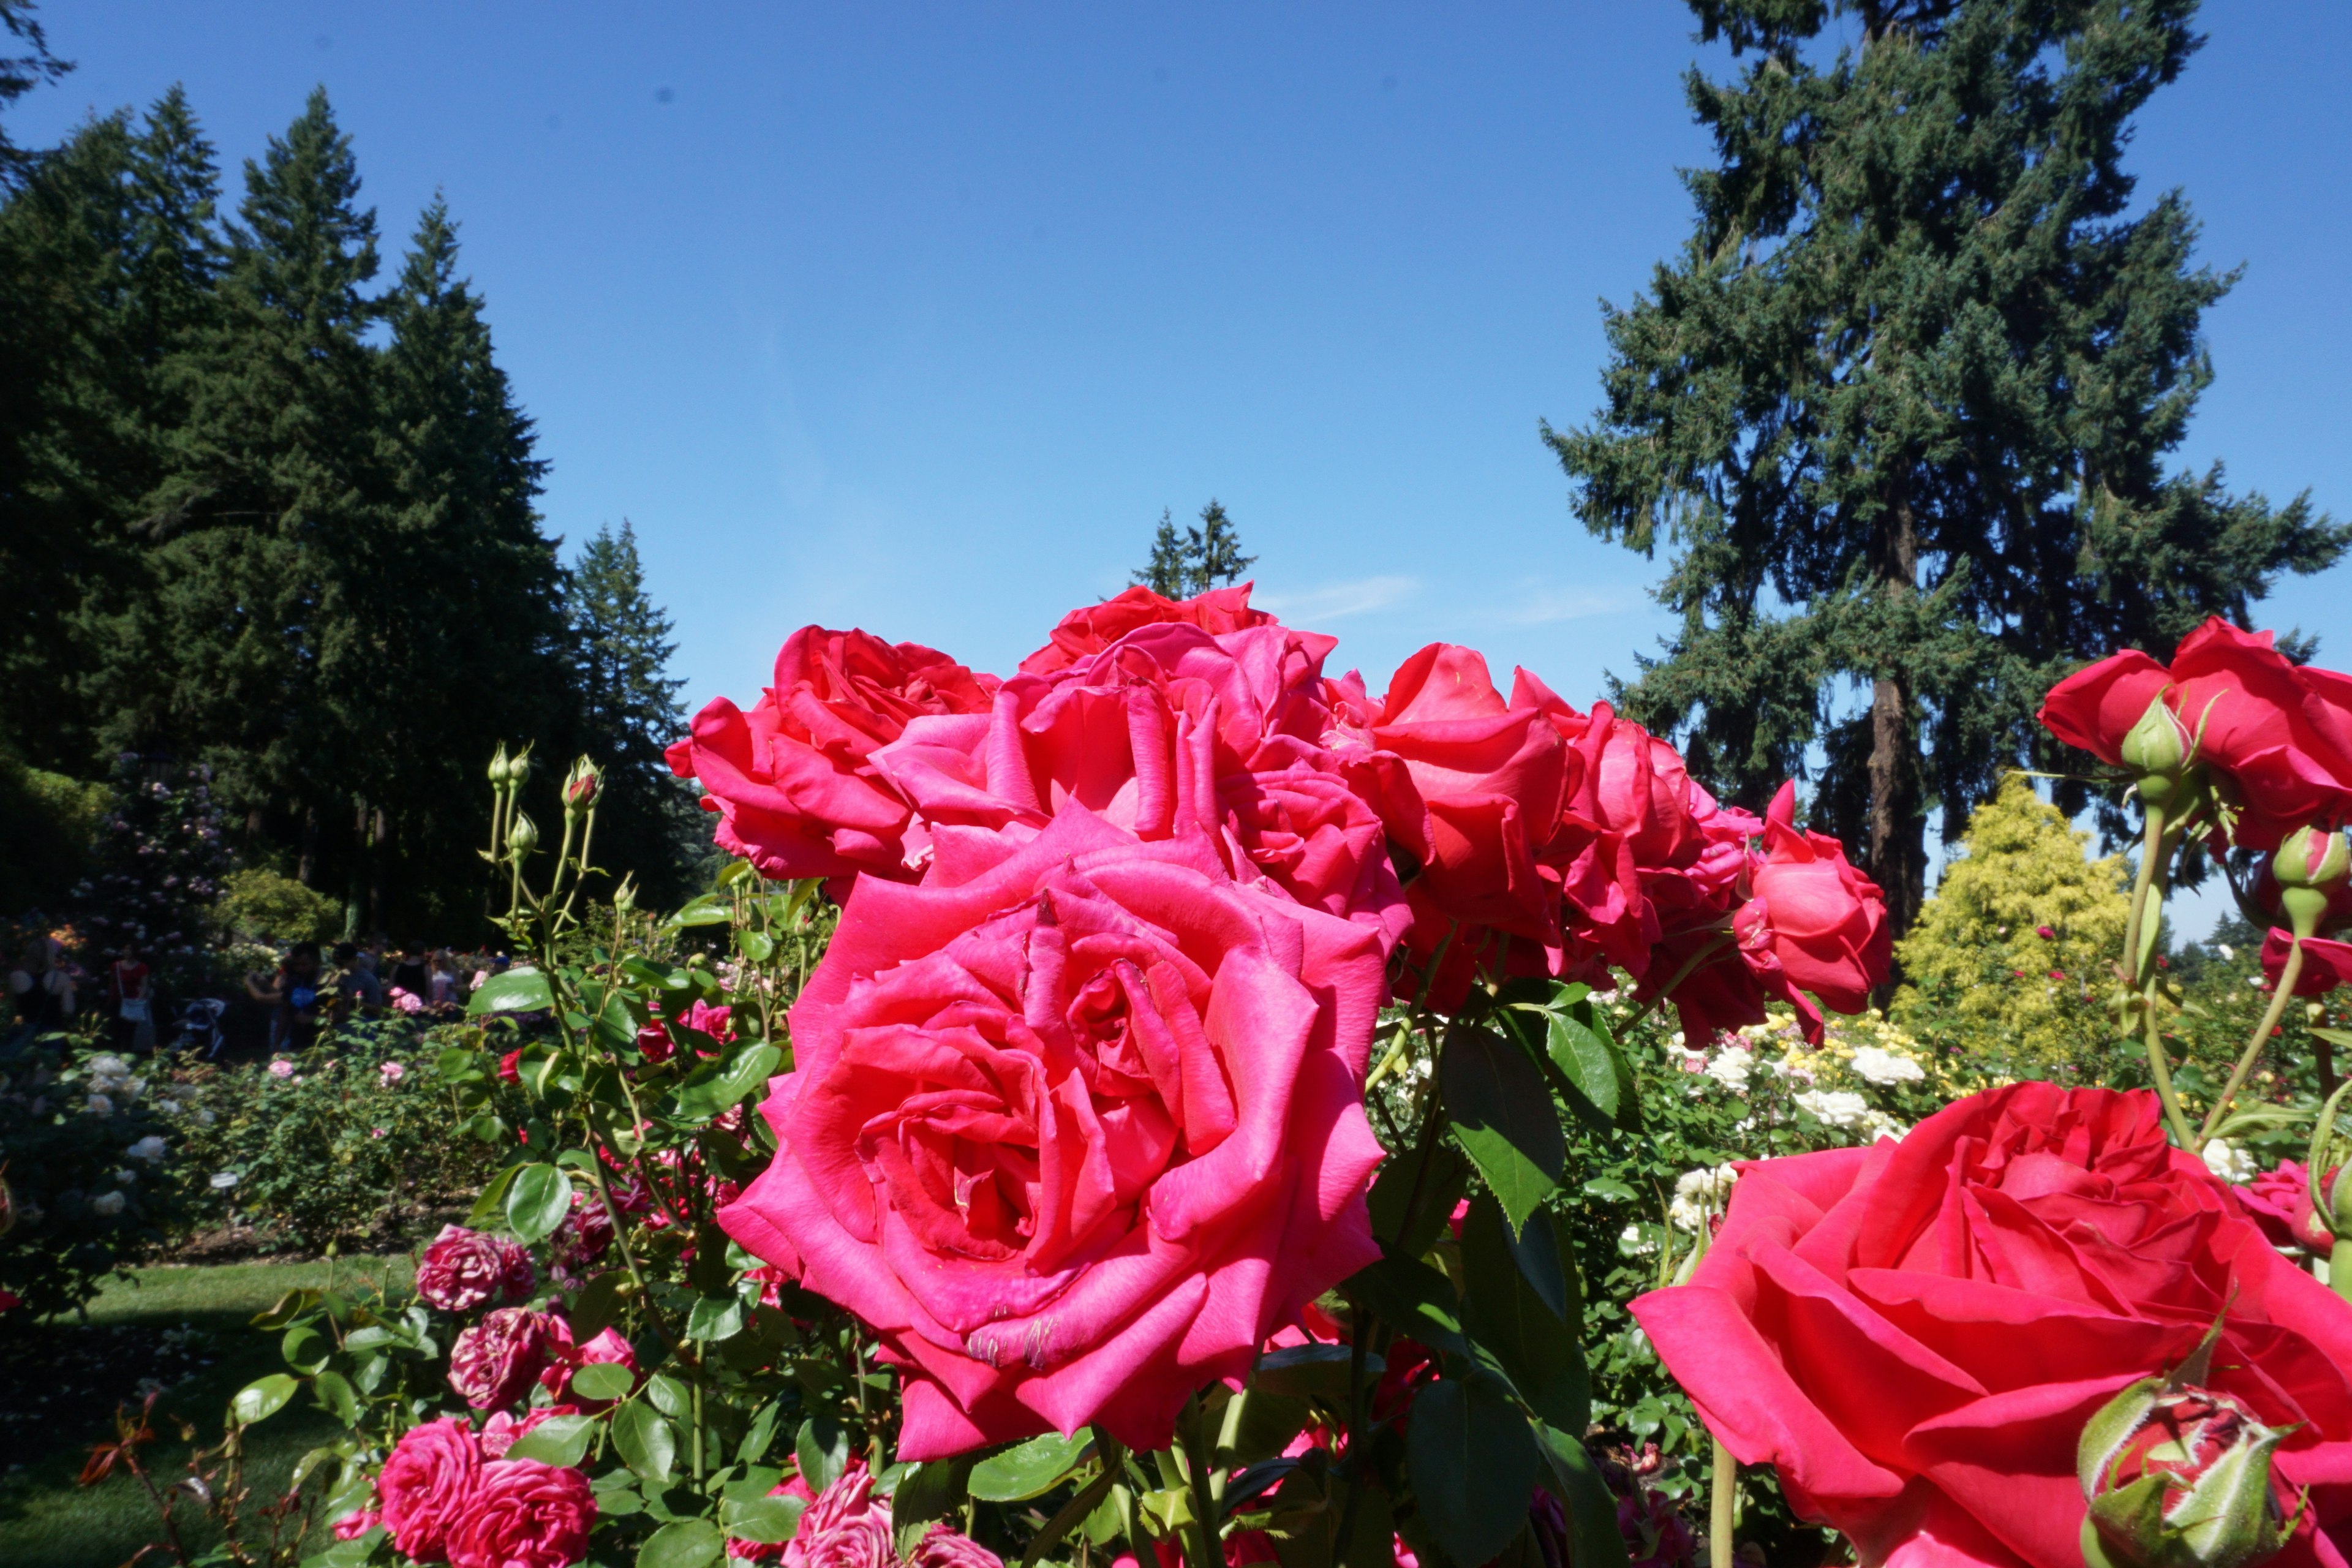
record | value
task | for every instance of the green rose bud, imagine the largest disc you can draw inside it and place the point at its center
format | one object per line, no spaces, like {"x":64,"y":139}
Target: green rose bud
{"x":2159,"y":745}
{"x":2177,"y":1475}
{"x":2310,"y":862}
{"x":523,"y":837}
{"x":499,"y":767}
{"x":582,"y":785}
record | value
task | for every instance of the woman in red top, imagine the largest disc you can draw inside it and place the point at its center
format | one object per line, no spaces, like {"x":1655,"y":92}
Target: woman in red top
{"x":132,"y":1000}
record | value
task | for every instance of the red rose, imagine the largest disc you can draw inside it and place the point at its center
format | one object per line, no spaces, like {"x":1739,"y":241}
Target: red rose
{"x":1917,"y":1333}
{"x":1076,"y":1135}
{"x":493,"y":1362}
{"x":1091,"y":628}
{"x":426,"y":1481}
{"x":2279,"y":1202}
{"x":1825,"y":920}
{"x":1469,"y":784}
{"x":524,"y":1514}
{"x":2326,"y":964}
{"x":791,"y":779}
{"x":584,"y":1234}
{"x":941,"y":1547}
{"x":353,"y":1525}
{"x":846,"y":1527}
{"x":564,"y":1358}
{"x":463,"y":1268}
{"x":510,"y":1066}
{"x":2281,"y":732}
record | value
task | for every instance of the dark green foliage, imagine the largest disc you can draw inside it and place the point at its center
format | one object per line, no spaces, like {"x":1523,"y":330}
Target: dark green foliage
{"x":629,"y":712}
{"x":20,"y":73}
{"x":1197,"y":560}
{"x":1900,"y":407}
{"x":254,"y":514}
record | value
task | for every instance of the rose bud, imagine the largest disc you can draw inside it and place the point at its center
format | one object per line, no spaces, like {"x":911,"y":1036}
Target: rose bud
{"x":499,"y":766}
{"x":580,"y":790}
{"x":523,"y":837}
{"x":2157,"y":748}
{"x":2309,"y":863}
{"x":2177,"y":1475}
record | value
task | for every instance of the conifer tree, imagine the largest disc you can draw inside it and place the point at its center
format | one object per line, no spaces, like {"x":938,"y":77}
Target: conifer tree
{"x":1901,"y":406}
{"x":1196,"y":560}
{"x":2013,"y":955}
{"x":255,"y":650}
{"x":629,"y":713}
{"x":19,"y":74}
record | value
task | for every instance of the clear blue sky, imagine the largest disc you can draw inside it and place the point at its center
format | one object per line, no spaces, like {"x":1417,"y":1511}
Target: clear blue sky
{"x":913,"y":317}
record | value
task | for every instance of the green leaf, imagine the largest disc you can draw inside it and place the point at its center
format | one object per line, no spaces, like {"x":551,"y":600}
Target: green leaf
{"x":559,"y":1440}
{"x":1309,"y":1372}
{"x":745,"y":1075}
{"x":1569,"y":1474}
{"x":705,"y":910}
{"x":1440,"y":1189}
{"x":598,"y":1305}
{"x":618,"y":1021}
{"x":291,"y":1305}
{"x":306,"y":1349}
{"x":670,"y":1396}
{"x":1473,"y":1462}
{"x":263,"y":1397}
{"x":337,"y":1396}
{"x":715,"y":1318}
{"x":1585,"y":1058}
{"x":683,"y":1543}
{"x":822,"y":1451}
{"x":538,"y":1201}
{"x":770,"y":1520}
{"x":660,"y":976}
{"x":756,"y":945}
{"x":1504,"y":1311}
{"x":1503,"y":1116}
{"x":1413,"y":1299}
{"x":931,"y":1490}
{"x":647,"y":1445}
{"x":1028,"y":1468}
{"x":602,"y":1381}
{"x":755,"y":1447}
{"x":516,"y":991}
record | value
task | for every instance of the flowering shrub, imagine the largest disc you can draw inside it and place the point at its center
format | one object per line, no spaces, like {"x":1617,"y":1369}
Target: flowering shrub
{"x":1189,"y":1109}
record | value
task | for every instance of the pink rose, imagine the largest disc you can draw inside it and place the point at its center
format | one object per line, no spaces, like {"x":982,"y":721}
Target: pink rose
{"x":770,"y":1551}
{"x":426,"y":1482}
{"x":352,"y":1526}
{"x":2279,"y":1202}
{"x":2326,"y":964}
{"x":503,"y":1430}
{"x":463,"y":1268}
{"x":1826,"y":921}
{"x":712,"y":1021}
{"x":941,"y":1547}
{"x":1090,"y":628}
{"x":847,"y":1526}
{"x":584,"y":1234}
{"x":564,"y":1358}
{"x":524,"y":1514}
{"x":493,"y":1362}
{"x":792,"y":781}
{"x":1075,"y":1134}
{"x":1169,"y":732}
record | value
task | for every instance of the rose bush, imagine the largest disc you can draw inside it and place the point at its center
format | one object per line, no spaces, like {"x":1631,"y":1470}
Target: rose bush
{"x":1915,"y":1334}
{"x":1074,"y":1135}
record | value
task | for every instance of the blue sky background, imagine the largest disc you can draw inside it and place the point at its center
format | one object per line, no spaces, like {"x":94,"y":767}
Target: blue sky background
{"x":913,"y":317}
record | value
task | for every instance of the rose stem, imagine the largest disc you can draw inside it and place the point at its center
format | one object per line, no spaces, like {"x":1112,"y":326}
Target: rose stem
{"x":2148,"y":904}
{"x":1721,"y":1501}
{"x":2281,"y":994}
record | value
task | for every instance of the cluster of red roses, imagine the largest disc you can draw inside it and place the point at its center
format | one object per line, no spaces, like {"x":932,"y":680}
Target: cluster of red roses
{"x":1507,"y":836}
{"x":1075,"y":1119}
{"x":448,"y":1494}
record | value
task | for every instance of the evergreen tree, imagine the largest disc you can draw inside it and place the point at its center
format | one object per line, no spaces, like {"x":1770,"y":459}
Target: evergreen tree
{"x":1197,"y":561}
{"x":466,"y":594}
{"x":19,"y":74}
{"x":629,"y":713}
{"x":1901,"y":406}
{"x":255,"y":649}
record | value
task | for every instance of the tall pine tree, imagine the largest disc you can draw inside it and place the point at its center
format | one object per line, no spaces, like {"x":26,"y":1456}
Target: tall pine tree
{"x":1901,"y":406}
{"x":1197,"y":560}
{"x":259,"y":648}
{"x":629,"y":714}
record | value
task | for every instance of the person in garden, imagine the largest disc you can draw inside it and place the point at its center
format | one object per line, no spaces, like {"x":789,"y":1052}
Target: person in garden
{"x":41,"y":988}
{"x":293,"y":996}
{"x":130,"y":1000}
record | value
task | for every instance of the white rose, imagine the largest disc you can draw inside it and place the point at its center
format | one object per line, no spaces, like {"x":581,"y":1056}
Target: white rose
{"x":1839,"y":1107}
{"x":1730,"y":1067}
{"x":1633,"y":1244}
{"x":1875,"y":1064}
{"x":2230,"y":1162}
{"x":1700,"y":1194}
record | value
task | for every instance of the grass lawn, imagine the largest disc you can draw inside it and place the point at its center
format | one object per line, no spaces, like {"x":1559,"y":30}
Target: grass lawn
{"x":46,"y":1521}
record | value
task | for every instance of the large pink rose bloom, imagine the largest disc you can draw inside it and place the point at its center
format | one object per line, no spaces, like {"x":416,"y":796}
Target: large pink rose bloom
{"x":1914,"y":1335}
{"x":1075,"y":1133}
{"x":846,"y":1527}
{"x":1170,"y":731}
{"x":792,"y":779}
{"x":1090,"y":628}
{"x":493,"y":1362}
{"x":524,"y":1514}
{"x":426,"y":1482}
{"x":463,"y":1268}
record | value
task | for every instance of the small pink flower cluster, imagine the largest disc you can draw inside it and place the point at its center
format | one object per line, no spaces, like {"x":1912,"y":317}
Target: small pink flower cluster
{"x":846,"y":1526}
{"x":446,"y":1495}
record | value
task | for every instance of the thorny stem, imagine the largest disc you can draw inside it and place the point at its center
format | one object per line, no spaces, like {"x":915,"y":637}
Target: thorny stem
{"x":2148,"y":904}
{"x":2281,"y":994}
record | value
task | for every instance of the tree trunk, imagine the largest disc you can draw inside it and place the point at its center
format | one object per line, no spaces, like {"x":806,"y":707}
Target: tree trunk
{"x":1897,"y":856}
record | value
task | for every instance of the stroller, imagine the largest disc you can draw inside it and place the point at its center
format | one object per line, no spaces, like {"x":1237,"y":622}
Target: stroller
{"x":200,"y":1028}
